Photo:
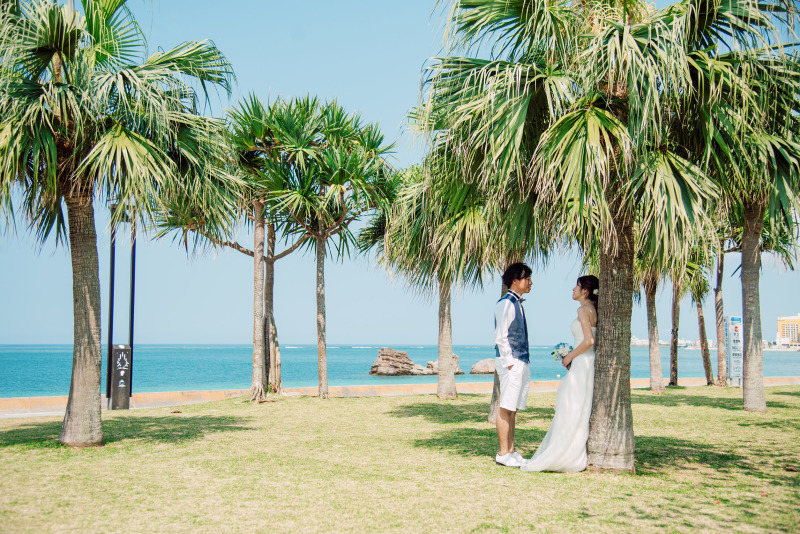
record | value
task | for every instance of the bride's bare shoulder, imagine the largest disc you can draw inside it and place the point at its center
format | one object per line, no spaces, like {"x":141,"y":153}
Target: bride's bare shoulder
{"x":588,"y":313}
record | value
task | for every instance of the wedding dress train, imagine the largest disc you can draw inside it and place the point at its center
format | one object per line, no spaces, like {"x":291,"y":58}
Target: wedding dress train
{"x":564,"y":446}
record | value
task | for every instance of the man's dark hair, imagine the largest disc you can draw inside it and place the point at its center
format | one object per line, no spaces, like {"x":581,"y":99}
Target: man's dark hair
{"x":516,"y":271}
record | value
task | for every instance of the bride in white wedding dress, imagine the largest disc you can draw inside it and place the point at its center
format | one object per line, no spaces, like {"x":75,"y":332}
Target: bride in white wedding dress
{"x":564,"y":446}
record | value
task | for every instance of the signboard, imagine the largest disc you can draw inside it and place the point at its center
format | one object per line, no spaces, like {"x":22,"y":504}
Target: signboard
{"x":120,"y":377}
{"x":734,"y":349}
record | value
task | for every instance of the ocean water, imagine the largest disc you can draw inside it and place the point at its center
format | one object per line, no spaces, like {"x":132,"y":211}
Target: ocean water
{"x":43,"y":370}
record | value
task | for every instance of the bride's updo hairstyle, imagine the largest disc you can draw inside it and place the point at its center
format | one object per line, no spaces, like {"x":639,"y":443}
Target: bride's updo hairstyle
{"x":591,"y":284}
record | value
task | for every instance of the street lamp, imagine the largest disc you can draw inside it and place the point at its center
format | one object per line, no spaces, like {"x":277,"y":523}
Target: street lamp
{"x":119,"y":371}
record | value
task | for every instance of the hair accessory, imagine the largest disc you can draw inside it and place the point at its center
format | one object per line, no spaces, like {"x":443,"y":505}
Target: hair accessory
{"x":596,"y":292}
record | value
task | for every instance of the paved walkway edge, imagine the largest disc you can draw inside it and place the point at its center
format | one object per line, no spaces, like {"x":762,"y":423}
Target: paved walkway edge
{"x":29,"y":406}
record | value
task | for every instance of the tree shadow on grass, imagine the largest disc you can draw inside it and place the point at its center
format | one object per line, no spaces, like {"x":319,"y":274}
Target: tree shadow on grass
{"x":480,"y":442}
{"x":675,"y":396}
{"x":447,"y":412}
{"x":657,"y":454}
{"x":778,"y":425}
{"x":654,"y":455}
{"x":152,"y":429}
{"x":479,"y":438}
{"x":790,"y":393}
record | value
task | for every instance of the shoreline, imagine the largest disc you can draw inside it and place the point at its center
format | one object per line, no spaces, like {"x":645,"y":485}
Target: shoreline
{"x":16,"y":407}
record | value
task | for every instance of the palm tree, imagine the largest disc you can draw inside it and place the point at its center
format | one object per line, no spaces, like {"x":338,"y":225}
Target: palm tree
{"x":647,"y":276}
{"x":691,"y":276}
{"x":699,"y":287}
{"x":332,"y":173}
{"x":598,"y":109}
{"x":678,"y":292}
{"x":258,"y":137}
{"x":83,"y":115}
{"x":753,"y":144}
{"x":435,"y":250}
{"x":650,"y":281}
{"x":185,"y":218}
{"x":778,"y":236}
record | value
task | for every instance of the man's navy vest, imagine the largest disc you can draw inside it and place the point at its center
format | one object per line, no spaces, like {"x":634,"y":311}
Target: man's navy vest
{"x":517,"y":331}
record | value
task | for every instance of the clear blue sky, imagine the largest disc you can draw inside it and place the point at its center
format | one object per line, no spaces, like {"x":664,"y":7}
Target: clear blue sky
{"x":368,"y":55}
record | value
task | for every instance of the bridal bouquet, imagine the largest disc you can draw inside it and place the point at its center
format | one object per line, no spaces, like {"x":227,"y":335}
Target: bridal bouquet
{"x":561,"y":350}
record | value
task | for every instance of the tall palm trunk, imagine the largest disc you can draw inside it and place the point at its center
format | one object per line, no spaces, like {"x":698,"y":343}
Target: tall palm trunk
{"x":322,"y":357}
{"x":274,"y":349}
{"x":258,"y":386}
{"x":611,"y":441}
{"x":446,"y":381}
{"x":753,"y":379}
{"x":701,"y":324}
{"x":656,"y":374}
{"x":494,"y":404}
{"x":722,"y":364}
{"x":673,"y":343}
{"x":82,"y":425}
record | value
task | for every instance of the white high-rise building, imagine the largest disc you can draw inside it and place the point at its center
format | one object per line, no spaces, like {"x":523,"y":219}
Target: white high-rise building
{"x":788,"y":330}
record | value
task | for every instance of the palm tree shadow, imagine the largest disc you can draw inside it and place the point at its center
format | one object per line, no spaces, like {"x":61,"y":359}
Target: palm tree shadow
{"x":479,"y":442}
{"x":655,"y":455}
{"x":791,"y":393}
{"x":449,"y":412}
{"x":466,"y":432}
{"x":785,"y":425}
{"x":676,"y":397}
{"x":150,"y":429}
{"x":475,"y":436}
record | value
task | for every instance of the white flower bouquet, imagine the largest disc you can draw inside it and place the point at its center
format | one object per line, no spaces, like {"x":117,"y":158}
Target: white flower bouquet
{"x":560,"y":351}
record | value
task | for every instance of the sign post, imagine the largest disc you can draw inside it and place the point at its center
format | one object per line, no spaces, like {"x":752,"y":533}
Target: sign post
{"x":733,"y":349}
{"x":119,"y":369}
{"x":122,"y":363}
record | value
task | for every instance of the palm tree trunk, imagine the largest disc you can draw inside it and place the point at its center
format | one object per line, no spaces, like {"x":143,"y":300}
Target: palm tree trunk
{"x":259,"y":385}
{"x":673,"y":344}
{"x":656,"y":374}
{"x":446,"y":381}
{"x":82,"y":425}
{"x":322,"y":357}
{"x":701,"y":324}
{"x":753,"y":365}
{"x":494,"y":404}
{"x":267,"y":359}
{"x":722,"y":364}
{"x":275,"y":381}
{"x":611,"y":441}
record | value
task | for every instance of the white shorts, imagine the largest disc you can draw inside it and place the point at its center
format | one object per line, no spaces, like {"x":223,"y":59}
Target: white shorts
{"x":514,"y":385}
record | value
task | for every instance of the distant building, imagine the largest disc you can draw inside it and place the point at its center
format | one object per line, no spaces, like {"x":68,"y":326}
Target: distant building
{"x":709,"y":341}
{"x":788,"y":330}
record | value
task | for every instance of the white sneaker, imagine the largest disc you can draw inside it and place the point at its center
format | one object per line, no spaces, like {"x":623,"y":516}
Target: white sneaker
{"x":519,"y":457}
{"x":509,"y":460}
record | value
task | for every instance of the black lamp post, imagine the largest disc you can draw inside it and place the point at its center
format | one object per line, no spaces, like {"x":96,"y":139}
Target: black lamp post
{"x":119,"y":372}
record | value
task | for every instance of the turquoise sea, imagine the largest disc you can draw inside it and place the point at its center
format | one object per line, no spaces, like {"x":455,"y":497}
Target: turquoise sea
{"x":43,"y":370}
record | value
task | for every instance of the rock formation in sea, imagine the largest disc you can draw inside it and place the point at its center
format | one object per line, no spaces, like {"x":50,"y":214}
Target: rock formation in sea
{"x":392,"y":362}
{"x":434,"y":366}
{"x":483,"y":367}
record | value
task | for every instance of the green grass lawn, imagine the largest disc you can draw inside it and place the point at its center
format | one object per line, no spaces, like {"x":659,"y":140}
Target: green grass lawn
{"x":411,"y":464}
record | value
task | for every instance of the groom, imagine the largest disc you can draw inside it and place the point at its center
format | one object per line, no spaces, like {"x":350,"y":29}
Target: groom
{"x":511,"y":361}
